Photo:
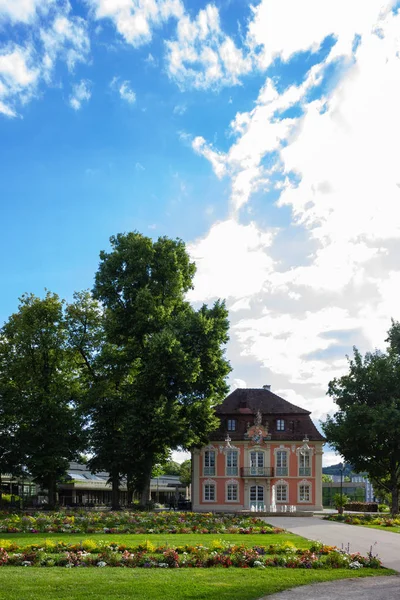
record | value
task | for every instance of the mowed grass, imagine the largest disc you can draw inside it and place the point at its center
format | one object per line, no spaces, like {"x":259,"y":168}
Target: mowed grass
{"x":381,"y":527}
{"x":173,"y":540}
{"x":19,"y":583}
{"x":34,"y":583}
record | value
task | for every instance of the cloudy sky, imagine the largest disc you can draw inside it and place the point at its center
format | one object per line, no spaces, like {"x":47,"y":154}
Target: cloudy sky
{"x":266,"y":136}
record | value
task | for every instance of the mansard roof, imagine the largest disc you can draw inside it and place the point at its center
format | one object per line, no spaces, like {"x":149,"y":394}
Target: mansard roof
{"x":243,"y":405}
{"x":250,"y":400}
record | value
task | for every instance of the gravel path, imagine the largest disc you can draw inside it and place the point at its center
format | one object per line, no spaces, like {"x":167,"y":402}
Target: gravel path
{"x":360,"y":539}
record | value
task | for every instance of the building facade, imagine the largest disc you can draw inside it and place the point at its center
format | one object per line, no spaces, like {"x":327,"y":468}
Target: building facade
{"x":266,"y":455}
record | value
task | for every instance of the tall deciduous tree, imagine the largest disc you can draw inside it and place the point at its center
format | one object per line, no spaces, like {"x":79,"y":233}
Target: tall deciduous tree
{"x":40,"y":383}
{"x":106,"y":378}
{"x":365,"y":429}
{"x":186,"y":473}
{"x":172,"y":356}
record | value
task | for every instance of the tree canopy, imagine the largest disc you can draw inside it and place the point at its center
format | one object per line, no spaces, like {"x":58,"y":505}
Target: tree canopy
{"x":39,"y":392}
{"x":126,"y":372}
{"x":365,"y":429}
{"x":172,"y":356}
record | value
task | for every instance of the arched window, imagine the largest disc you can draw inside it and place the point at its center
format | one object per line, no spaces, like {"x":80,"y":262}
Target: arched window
{"x":304,"y":491}
{"x":209,"y":491}
{"x":232,"y":491}
{"x":232,"y":467}
{"x":282,"y":491}
{"x":209,"y":462}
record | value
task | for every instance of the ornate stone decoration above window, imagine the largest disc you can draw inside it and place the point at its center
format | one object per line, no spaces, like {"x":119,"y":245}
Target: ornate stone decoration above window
{"x":232,"y":482}
{"x":228,"y":446}
{"x":305,"y":449}
{"x":281,"y":447}
{"x":209,"y":447}
{"x":209,"y":482}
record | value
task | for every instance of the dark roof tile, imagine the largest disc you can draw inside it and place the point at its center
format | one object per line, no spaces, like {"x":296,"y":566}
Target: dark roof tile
{"x":258,"y":399}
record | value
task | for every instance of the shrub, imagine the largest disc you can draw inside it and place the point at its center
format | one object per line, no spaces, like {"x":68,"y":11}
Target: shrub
{"x":361,"y":506}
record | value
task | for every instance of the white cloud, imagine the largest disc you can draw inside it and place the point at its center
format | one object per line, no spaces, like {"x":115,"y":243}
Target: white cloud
{"x":66,"y":38}
{"x":124,"y":90}
{"x":310,"y":22}
{"x":18,"y":77}
{"x":232,"y":261}
{"x":202,"y":55}
{"x":81,"y":93}
{"x":199,"y":55}
{"x":135,"y":21}
{"x":23,"y":11}
{"x":180,"y":456}
{"x":331,"y":275}
{"x":26,"y":65}
{"x":179,"y":109}
{"x":237,"y":383}
{"x":127,"y":93}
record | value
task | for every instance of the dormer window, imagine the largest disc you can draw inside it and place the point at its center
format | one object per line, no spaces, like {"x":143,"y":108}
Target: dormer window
{"x":231,"y":424}
{"x":280,"y":425}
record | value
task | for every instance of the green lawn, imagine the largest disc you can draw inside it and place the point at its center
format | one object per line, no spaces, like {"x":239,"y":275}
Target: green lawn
{"x":18,"y":583}
{"x":160,"y":539}
{"x":391,"y":529}
{"x":33,"y":583}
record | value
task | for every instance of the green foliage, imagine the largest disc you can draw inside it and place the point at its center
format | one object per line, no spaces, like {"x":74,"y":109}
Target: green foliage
{"x":186,"y":473}
{"x":327,"y":478}
{"x":365,"y":428}
{"x":339,"y":501}
{"x":39,"y":391}
{"x":126,"y":374}
{"x":168,"y":358}
{"x":171,"y":468}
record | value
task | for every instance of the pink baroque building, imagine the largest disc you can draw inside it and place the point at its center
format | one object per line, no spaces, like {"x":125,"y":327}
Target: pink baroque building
{"x":266,"y":455}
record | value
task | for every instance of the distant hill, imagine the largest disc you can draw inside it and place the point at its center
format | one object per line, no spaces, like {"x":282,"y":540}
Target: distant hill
{"x":348,"y":470}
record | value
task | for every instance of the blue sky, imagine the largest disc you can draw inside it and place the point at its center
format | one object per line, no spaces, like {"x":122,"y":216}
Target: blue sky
{"x":266,"y":137}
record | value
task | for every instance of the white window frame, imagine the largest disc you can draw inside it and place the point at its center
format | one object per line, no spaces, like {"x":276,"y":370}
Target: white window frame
{"x":304,"y":484}
{"x":280,"y":470}
{"x":232,"y":483}
{"x":280,"y":424}
{"x":282,"y":484}
{"x":305,"y":465}
{"x":207,"y":468}
{"x":208,"y":485}
{"x":257,"y":469}
{"x":231,"y":425}
{"x":232,"y":470}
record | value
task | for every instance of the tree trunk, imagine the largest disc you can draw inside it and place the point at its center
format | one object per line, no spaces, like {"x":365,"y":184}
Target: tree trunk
{"x":145,"y":493}
{"x":395,"y":500}
{"x":1,"y":496}
{"x":115,"y":490}
{"x":130,"y":489}
{"x":52,"y":492}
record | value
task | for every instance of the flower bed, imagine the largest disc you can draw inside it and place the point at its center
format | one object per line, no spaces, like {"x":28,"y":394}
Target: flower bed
{"x":130,"y":522}
{"x":90,"y":553}
{"x":365,"y":520}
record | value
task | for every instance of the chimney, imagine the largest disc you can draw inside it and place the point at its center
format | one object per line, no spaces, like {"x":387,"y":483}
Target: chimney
{"x":267,"y":387}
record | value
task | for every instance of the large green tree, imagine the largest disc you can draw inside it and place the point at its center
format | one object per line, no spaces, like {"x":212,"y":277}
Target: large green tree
{"x":106,"y":378}
{"x":170,"y":356}
{"x":365,"y":429}
{"x":39,"y":386}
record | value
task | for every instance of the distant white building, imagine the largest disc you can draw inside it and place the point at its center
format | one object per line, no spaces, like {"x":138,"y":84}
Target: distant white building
{"x":369,"y":490}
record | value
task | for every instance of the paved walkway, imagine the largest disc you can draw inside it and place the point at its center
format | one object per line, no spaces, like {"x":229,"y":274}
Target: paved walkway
{"x":384,"y":543}
{"x":370,"y":588}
